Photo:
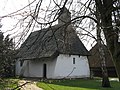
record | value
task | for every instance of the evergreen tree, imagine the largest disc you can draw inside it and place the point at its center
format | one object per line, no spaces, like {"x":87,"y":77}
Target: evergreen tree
{"x":6,"y":56}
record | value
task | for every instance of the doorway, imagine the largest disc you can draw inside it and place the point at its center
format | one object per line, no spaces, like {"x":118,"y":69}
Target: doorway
{"x":44,"y":71}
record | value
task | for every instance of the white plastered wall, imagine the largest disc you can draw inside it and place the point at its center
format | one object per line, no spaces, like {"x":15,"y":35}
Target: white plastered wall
{"x":66,"y":69}
{"x":61,"y":67}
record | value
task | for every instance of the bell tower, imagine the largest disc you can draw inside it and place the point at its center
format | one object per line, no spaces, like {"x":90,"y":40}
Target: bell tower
{"x":65,"y":16}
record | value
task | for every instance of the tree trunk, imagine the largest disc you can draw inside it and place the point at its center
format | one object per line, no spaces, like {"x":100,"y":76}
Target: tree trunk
{"x":105,"y":79}
{"x":111,"y":36}
{"x":105,"y":8}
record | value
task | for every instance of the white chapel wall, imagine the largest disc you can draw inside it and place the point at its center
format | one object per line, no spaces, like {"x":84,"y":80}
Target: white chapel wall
{"x":66,"y":69}
{"x":35,"y":68}
{"x":61,"y":67}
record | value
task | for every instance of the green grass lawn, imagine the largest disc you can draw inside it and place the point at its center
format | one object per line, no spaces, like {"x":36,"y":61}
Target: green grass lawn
{"x":9,"y":83}
{"x":78,"y":84}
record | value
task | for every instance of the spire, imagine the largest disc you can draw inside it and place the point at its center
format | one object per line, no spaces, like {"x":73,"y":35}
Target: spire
{"x":65,"y":16}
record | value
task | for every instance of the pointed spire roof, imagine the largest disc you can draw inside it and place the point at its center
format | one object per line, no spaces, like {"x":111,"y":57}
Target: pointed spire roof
{"x":64,"y":16}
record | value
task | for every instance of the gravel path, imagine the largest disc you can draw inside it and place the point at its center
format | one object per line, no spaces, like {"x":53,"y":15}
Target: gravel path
{"x":31,"y":85}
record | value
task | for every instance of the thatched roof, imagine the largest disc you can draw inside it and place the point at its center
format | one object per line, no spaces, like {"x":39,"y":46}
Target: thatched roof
{"x":94,"y":59}
{"x":52,"y":41}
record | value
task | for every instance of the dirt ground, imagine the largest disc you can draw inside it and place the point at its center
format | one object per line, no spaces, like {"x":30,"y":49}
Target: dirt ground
{"x":31,"y":85}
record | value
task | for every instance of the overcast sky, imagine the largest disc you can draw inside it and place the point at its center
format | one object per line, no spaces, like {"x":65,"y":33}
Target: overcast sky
{"x":9,"y":6}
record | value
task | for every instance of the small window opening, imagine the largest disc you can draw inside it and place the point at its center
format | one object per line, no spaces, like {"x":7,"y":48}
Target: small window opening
{"x":21,"y":63}
{"x":73,"y":60}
